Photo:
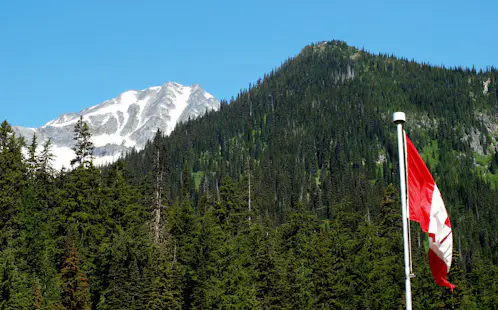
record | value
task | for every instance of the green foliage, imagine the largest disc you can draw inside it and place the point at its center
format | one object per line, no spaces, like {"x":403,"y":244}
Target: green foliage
{"x":430,"y":154}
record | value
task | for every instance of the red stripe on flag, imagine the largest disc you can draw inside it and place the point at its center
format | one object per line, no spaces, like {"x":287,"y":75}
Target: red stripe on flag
{"x":420,"y":187}
{"x":439,"y":270}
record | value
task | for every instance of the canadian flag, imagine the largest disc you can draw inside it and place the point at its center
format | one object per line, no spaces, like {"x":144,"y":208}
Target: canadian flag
{"x":427,"y":207}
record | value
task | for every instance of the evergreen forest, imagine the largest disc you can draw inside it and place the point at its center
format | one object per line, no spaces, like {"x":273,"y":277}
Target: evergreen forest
{"x":285,"y":198}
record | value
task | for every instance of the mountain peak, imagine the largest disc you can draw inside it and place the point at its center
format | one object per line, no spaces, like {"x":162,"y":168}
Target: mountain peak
{"x":126,"y":121}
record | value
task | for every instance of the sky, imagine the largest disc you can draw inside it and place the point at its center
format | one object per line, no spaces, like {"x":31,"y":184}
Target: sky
{"x":64,"y":56}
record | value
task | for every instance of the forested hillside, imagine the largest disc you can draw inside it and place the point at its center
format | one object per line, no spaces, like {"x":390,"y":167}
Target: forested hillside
{"x":285,"y":198}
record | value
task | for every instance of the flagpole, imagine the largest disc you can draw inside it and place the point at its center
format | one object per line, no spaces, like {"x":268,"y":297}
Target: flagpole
{"x":399,"y":119}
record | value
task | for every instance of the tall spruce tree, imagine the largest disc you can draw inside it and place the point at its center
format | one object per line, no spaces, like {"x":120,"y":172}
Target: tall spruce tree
{"x":12,"y":180}
{"x":74,"y":283}
{"x":84,"y":146}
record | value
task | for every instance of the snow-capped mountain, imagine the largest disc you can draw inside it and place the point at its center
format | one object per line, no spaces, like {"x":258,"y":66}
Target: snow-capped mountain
{"x":124,"y":122}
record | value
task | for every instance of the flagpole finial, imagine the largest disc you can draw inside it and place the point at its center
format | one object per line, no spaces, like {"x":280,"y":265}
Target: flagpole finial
{"x":399,"y":117}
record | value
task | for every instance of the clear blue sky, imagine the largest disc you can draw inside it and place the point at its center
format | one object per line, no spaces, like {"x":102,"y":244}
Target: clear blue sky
{"x":63,"y":56}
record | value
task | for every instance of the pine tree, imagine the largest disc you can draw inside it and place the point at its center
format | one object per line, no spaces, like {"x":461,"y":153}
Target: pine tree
{"x":323,"y":274}
{"x":162,"y":279}
{"x":74,"y":283}
{"x":32,"y":160}
{"x":84,"y":146}
{"x":45,"y":159}
{"x":12,"y":180}
{"x":15,"y":289}
{"x":38,"y":303}
{"x":83,"y":209}
{"x":126,"y":284}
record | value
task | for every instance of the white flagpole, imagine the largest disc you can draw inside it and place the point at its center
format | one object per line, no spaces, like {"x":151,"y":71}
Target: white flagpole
{"x":399,"y":119}
{"x":407,"y":208}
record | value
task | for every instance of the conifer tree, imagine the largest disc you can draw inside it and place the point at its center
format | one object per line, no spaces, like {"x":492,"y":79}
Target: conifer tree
{"x":12,"y":180}
{"x":162,"y":278}
{"x":126,"y":284}
{"x":32,"y":160}
{"x":323,"y":274}
{"x":84,"y":146}
{"x":38,"y":303}
{"x":74,"y":283}
{"x":45,"y":159}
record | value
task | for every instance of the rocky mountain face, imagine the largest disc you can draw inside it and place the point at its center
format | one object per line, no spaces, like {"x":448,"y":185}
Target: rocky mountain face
{"x":125,"y":122}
